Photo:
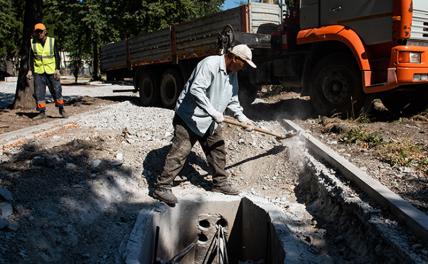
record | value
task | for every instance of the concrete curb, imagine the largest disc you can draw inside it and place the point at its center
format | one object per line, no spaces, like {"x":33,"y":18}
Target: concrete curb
{"x":364,"y":227}
{"x":415,"y":219}
{"x":22,"y":136}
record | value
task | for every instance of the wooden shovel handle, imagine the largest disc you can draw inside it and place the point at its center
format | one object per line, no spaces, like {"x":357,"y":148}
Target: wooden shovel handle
{"x":261,"y":130}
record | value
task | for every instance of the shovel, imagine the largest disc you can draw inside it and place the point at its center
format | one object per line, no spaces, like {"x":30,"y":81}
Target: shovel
{"x":257,"y":129}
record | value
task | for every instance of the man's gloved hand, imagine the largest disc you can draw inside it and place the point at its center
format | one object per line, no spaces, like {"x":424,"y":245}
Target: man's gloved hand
{"x":245,"y":120}
{"x":218,"y":117}
{"x":57,"y":75}
{"x":29,"y":75}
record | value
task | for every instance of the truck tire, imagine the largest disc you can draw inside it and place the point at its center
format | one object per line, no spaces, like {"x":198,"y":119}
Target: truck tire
{"x":246,"y":96}
{"x":170,"y":88}
{"x":110,"y":77}
{"x":148,"y":88}
{"x":405,"y":103}
{"x":335,"y":86}
{"x":247,"y":92}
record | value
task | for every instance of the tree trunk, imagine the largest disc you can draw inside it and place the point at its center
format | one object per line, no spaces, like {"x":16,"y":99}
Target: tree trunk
{"x":95,"y":62}
{"x":25,"y":89}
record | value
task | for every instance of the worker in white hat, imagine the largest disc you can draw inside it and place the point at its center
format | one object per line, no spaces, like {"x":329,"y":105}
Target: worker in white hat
{"x":243,"y":52}
{"x":211,"y":88}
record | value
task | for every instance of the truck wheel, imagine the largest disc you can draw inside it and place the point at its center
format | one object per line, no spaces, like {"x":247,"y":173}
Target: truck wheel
{"x":336,"y":86}
{"x":247,"y":92}
{"x":148,"y":89}
{"x":170,"y":88}
{"x":110,"y":77}
{"x":246,"y":97}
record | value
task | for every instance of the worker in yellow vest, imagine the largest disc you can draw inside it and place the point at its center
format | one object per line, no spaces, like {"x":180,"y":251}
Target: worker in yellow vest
{"x":45,"y":64}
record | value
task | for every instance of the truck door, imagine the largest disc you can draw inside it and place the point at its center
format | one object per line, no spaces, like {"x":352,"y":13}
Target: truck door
{"x":309,"y":14}
{"x":371,"y":19}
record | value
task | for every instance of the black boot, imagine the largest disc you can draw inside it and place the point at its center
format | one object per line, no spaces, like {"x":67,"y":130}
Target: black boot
{"x":62,"y":112}
{"x":41,"y":115}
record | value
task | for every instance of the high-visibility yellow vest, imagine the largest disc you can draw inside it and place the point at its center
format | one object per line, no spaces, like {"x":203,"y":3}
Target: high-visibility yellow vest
{"x":44,"y":57}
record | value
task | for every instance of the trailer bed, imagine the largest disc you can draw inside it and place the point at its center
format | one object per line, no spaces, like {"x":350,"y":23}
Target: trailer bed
{"x":193,"y":39}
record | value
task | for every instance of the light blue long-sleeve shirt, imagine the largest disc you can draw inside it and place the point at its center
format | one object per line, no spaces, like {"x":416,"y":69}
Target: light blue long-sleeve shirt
{"x":210,"y":89}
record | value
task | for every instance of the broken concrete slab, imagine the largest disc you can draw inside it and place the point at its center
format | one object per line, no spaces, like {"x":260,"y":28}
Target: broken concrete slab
{"x":13,"y":226}
{"x":6,"y":194}
{"x":3,"y":223}
{"x":6,"y":209}
{"x":95,"y":163}
{"x":71,"y":166}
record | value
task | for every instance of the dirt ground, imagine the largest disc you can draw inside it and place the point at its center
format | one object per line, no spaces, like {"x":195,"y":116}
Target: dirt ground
{"x":76,"y":194}
{"x":11,"y":120}
{"x":390,"y":148}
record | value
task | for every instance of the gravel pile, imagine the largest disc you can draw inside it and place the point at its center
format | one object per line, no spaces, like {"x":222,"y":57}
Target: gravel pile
{"x":132,"y":117}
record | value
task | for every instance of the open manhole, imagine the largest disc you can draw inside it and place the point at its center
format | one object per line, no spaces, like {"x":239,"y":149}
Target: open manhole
{"x":210,"y":229}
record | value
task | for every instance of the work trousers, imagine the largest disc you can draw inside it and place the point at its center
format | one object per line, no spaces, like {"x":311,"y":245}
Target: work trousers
{"x":212,"y":144}
{"x":40,"y":83}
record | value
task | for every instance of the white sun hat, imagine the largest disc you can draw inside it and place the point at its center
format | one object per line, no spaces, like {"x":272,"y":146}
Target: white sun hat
{"x":244,"y":52}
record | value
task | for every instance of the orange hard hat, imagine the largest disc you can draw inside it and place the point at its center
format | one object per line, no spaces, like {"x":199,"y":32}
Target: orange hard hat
{"x":39,"y":26}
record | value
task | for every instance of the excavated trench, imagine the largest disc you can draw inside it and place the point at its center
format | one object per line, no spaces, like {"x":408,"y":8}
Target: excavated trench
{"x":220,"y":229}
{"x":357,"y":231}
{"x":196,"y":231}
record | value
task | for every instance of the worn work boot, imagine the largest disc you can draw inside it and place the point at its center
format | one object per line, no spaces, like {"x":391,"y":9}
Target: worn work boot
{"x":226,"y":188}
{"x":41,"y":115}
{"x":165,"y":195}
{"x":63,"y":113}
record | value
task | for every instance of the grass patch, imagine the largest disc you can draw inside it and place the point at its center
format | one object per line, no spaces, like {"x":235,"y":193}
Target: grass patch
{"x":402,"y":154}
{"x":363,"y":119}
{"x":359,"y":136}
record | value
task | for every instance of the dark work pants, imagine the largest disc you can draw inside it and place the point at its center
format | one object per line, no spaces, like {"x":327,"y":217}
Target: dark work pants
{"x":182,"y":143}
{"x":40,"y":83}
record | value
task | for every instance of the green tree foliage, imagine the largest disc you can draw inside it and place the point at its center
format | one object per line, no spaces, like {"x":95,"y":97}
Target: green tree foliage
{"x":10,"y":30}
{"x":8,"y":26}
{"x":83,"y":26}
{"x":136,"y":16}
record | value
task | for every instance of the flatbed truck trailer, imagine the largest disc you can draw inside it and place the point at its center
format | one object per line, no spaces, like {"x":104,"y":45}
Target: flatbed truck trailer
{"x":160,"y":62}
{"x":337,"y":51}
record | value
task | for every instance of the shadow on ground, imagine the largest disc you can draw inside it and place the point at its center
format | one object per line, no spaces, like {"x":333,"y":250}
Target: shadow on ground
{"x":6,"y":99}
{"x":293,"y":108}
{"x":121,"y":98}
{"x":69,"y":206}
{"x":27,"y":114}
{"x":155,"y":161}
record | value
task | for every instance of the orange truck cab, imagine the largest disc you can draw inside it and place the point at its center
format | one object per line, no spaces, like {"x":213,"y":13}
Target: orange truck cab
{"x":337,"y":51}
{"x":342,"y":50}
